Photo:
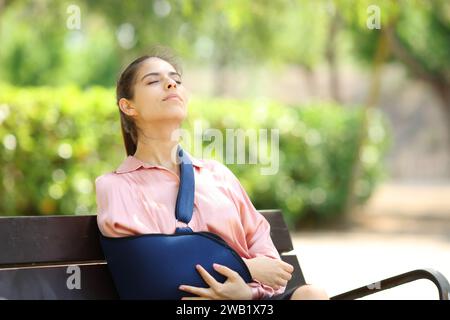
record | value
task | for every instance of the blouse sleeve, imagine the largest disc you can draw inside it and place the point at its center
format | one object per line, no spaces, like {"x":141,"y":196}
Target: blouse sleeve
{"x":116,"y":208}
{"x":257,"y":231}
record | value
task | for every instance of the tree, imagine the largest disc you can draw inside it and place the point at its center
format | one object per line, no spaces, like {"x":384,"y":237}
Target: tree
{"x":417,"y":34}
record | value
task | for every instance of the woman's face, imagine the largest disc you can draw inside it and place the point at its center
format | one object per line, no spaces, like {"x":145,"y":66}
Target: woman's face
{"x":159,"y":94}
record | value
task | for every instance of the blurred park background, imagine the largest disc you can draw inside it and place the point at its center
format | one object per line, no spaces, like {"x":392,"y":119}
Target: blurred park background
{"x":359,"y":91}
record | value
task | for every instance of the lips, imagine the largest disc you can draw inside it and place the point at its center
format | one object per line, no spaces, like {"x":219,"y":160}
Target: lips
{"x":172,"y":96}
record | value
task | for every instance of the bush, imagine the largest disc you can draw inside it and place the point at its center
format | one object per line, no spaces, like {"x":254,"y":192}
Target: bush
{"x":318,"y":143}
{"x":57,"y":140}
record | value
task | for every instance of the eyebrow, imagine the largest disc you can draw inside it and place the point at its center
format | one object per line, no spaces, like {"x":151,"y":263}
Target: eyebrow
{"x":157,"y":74}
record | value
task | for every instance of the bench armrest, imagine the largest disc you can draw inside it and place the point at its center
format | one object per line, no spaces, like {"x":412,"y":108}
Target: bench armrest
{"x":435,"y":276}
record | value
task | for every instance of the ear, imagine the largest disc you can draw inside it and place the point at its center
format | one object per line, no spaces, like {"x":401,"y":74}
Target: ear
{"x":127,"y":107}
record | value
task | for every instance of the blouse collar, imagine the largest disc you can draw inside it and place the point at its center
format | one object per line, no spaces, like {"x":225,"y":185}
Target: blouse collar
{"x":131,"y":163}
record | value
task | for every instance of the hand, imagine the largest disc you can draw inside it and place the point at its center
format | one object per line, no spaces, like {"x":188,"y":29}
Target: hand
{"x":272,"y":272}
{"x":234,"y":288}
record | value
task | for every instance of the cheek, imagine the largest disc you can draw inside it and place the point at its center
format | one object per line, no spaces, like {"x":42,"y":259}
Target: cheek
{"x":148,"y":91}
{"x":146,"y":97}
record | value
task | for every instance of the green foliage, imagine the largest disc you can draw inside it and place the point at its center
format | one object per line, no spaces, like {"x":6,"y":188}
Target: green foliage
{"x":317,"y":149}
{"x":426,"y":33}
{"x":36,"y":47}
{"x":422,"y":27}
{"x":55,"y":141}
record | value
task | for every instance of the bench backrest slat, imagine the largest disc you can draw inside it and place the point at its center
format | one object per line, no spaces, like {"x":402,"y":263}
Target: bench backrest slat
{"x":25,"y":240}
{"x":42,"y":239}
{"x":279,"y":231}
{"x":36,"y":254}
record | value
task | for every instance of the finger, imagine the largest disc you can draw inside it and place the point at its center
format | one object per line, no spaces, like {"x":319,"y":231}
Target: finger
{"x":280,"y":282}
{"x":206,"y":276}
{"x":286,"y":276}
{"x":225,"y":271}
{"x":287,"y":267}
{"x":201,"y":292}
{"x":282,"y":275}
{"x":194,"y":298}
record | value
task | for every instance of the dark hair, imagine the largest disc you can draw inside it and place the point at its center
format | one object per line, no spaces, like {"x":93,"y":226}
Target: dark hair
{"x":125,"y":89}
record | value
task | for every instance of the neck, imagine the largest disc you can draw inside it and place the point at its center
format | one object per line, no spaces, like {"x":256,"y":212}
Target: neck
{"x":157,"y":149}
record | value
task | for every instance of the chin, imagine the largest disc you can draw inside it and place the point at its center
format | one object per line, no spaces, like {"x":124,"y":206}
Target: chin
{"x":177,"y":115}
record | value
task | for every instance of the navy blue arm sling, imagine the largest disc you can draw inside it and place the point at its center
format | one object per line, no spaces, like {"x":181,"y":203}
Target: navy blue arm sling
{"x":153,"y":266}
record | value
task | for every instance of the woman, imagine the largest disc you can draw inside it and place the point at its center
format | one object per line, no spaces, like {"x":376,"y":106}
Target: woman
{"x":139,"y":197}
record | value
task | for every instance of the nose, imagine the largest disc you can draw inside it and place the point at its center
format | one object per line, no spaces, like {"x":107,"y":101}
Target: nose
{"x":171,"y":84}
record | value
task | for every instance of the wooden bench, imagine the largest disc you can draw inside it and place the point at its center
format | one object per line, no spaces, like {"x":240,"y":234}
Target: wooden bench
{"x":40,"y":258}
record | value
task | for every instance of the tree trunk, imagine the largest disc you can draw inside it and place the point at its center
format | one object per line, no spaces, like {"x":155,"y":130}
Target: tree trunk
{"x":381,"y":54}
{"x":220,"y":79}
{"x":330,"y":55}
{"x":438,"y":82}
{"x":443,"y":91}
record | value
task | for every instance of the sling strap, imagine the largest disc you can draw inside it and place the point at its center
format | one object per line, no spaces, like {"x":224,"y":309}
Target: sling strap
{"x":186,"y":191}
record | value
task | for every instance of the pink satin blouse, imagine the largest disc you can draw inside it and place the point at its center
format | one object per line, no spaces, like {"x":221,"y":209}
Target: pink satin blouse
{"x":139,"y":198}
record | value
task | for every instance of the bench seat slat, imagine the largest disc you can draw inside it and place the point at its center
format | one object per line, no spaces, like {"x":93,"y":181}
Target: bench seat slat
{"x":297,"y":276}
{"x":50,"y":283}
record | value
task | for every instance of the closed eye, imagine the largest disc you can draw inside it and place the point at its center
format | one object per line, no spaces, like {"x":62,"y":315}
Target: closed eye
{"x":151,"y":82}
